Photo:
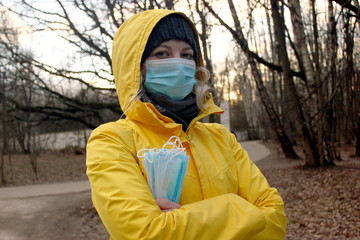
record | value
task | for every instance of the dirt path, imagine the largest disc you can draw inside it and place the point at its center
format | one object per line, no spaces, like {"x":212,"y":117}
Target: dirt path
{"x":54,"y":211}
{"x":256,"y":150}
{"x":43,"y":190}
{"x":52,"y":217}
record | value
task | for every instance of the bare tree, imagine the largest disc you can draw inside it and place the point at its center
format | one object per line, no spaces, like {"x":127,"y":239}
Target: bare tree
{"x":92,"y":36}
{"x":357,"y":145}
{"x":292,"y":96}
{"x":205,"y":39}
{"x":320,"y":102}
{"x":296,"y":72}
{"x":252,"y":57}
{"x":89,"y":26}
{"x":352,"y":7}
{"x":8,"y":40}
{"x":3,"y":139}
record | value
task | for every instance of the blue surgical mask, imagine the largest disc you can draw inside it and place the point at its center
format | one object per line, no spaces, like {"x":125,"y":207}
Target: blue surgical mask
{"x":173,"y":77}
{"x":165,"y":169}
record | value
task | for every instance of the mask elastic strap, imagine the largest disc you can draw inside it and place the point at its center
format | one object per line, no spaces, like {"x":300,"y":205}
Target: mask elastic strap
{"x":131,"y":103}
{"x":176,"y":144}
{"x":140,"y":154}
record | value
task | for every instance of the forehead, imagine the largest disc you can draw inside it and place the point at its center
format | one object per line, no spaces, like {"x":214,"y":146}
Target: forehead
{"x":175,"y":43}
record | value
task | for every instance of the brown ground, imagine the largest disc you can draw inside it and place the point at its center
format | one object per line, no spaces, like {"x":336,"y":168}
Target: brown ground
{"x":53,"y":166}
{"x":320,"y":203}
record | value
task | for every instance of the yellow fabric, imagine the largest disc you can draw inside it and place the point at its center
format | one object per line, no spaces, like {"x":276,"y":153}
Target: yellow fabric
{"x":224,"y":196}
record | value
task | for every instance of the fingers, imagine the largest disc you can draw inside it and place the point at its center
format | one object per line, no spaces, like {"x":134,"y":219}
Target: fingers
{"x":166,"y":205}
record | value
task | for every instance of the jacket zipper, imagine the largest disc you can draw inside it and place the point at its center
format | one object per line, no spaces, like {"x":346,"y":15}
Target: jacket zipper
{"x":189,"y":140}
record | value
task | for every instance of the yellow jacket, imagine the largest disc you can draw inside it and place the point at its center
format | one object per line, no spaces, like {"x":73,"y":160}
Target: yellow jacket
{"x":224,"y":195}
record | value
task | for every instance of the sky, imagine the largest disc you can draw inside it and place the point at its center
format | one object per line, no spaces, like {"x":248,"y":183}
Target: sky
{"x":52,"y":48}
{"x":45,"y":44}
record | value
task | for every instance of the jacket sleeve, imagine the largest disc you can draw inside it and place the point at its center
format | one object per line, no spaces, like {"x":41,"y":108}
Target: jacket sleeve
{"x":128,"y":210}
{"x":254,"y":187}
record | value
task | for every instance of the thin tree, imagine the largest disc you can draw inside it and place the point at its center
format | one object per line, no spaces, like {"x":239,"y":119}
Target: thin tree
{"x":292,"y":97}
{"x":272,"y":114}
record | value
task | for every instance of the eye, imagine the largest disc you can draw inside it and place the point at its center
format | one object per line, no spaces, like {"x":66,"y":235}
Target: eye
{"x":188,"y":55}
{"x":161,"y":54}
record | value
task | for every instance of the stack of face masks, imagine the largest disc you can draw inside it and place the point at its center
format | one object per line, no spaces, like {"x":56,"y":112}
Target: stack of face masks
{"x":165,"y":169}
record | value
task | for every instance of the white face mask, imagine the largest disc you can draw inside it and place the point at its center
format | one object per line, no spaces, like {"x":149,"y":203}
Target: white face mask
{"x":173,"y":77}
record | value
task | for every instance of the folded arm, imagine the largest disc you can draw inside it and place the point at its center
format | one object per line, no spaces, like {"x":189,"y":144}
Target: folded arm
{"x":128,"y":210}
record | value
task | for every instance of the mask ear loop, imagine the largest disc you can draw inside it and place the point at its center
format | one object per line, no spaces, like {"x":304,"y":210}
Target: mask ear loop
{"x":131,"y":103}
{"x":176,"y":144}
{"x":174,"y":141}
{"x":144,"y":151}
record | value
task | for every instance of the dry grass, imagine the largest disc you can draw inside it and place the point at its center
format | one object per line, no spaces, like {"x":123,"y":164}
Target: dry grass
{"x":320,"y":203}
{"x":53,"y":166}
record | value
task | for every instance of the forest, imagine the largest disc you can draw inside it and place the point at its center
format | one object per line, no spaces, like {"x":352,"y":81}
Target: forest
{"x":289,"y":69}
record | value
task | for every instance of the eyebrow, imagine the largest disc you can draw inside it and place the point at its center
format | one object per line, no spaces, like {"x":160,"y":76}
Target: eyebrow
{"x":168,"y":47}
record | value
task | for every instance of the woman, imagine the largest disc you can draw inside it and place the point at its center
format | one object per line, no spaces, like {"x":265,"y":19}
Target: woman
{"x":224,"y":194}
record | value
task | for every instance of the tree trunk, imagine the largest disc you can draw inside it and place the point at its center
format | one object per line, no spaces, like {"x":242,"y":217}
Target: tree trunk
{"x":3,"y":122}
{"x":169,"y":4}
{"x":300,"y":42}
{"x":2,"y":164}
{"x":349,"y":77}
{"x":329,"y":86}
{"x":347,"y":4}
{"x":320,"y":138}
{"x":332,"y":54}
{"x":357,"y":147}
{"x":292,"y":97}
{"x":273,"y":78}
{"x":204,"y":38}
{"x":273,"y":116}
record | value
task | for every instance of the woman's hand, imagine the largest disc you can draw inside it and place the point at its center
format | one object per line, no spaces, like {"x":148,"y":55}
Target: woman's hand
{"x":166,"y":205}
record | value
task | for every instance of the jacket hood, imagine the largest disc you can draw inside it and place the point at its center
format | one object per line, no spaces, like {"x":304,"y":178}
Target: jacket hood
{"x":128,"y":46}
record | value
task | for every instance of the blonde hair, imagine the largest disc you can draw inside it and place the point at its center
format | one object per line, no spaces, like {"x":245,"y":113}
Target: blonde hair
{"x":201,"y":89}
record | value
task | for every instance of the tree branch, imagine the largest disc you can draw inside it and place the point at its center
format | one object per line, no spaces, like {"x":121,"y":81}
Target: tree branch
{"x":240,"y":39}
{"x":347,"y":4}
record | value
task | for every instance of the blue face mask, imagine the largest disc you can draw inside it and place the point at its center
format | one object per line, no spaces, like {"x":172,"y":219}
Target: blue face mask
{"x":173,"y":77}
{"x":165,"y":169}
